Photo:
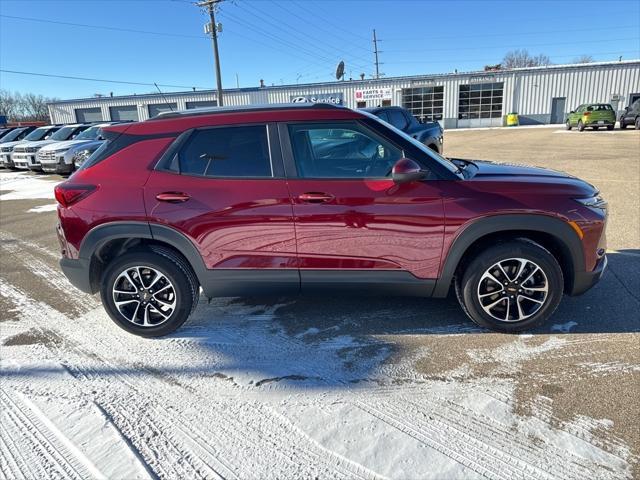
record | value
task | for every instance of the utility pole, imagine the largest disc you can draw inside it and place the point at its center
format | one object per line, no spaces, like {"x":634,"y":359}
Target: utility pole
{"x":375,"y":51}
{"x":213,"y":30}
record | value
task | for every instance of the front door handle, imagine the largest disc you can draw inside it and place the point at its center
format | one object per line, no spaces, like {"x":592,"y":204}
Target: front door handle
{"x":172,"y":197}
{"x":315,"y":197}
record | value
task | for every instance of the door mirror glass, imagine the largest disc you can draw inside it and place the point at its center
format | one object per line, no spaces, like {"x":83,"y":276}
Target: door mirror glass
{"x":572,"y":111}
{"x":406,"y":170}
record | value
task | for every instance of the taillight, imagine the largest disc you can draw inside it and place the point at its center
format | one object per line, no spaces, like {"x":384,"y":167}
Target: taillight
{"x":586,"y":114}
{"x":67,"y":194}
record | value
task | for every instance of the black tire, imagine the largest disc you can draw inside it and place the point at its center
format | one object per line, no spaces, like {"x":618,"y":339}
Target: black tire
{"x":175,"y":270}
{"x":567,"y":125}
{"x":609,"y":127}
{"x":467,"y":289}
{"x":638,"y":123}
{"x":623,"y":125}
{"x":580,"y":126}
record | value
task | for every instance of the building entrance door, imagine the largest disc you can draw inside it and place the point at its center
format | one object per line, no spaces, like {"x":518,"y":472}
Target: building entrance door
{"x":557,"y":110}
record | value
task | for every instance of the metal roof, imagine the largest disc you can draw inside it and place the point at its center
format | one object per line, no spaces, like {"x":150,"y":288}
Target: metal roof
{"x":367,"y":82}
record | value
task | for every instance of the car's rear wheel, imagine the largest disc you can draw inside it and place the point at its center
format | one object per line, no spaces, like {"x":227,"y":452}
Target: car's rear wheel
{"x":580,"y":126}
{"x":511,"y":286}
{"x":567,"y":125}
{"x":622,"y":124}
{"x":638,"y":123}
{"x":147,"y":293}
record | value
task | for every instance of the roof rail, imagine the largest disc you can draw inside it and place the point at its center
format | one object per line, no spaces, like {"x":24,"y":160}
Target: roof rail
{"x":244,"y":108}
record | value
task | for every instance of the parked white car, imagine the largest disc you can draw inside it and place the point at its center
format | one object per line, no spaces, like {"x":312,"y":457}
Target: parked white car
{"x":24,"y":155}
{"x":10,"y":140}
{"x":54,"y":158}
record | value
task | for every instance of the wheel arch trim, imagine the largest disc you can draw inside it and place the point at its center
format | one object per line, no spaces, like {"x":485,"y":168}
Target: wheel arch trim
{"x":477,"y":229}
{"x":100,"y":235}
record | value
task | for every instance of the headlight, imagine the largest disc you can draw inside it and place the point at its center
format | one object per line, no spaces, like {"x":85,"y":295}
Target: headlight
{"x":593,"y":202}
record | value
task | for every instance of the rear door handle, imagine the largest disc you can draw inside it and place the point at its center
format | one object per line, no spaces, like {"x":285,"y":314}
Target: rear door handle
{"x":172,"y":197}
{"x":315,"y":197}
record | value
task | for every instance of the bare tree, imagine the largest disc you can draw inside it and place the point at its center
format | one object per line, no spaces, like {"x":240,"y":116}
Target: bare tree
{"x":27,"y":107}
{"x":8,"y":104}
{"x":583,"y":59}
{"x":522,"y":58}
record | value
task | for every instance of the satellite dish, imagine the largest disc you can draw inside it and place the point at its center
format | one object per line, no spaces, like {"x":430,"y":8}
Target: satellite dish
{"x":340,"y":70}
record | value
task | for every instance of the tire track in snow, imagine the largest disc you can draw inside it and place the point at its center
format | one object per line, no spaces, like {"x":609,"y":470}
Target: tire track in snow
{"x":297,"y":455}
{"x":42,"y":444}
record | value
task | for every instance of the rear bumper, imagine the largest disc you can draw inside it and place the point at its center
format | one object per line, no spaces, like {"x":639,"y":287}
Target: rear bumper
{"x":583,"y":281}
{"x":596,"y":123}
{"x":77,"y":271}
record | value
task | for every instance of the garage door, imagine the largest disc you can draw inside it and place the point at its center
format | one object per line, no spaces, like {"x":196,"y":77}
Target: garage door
{"x":202,"y":104}
{"x":88,"y":115}
{"x":124,"y":113}
{"x":158,"y":108}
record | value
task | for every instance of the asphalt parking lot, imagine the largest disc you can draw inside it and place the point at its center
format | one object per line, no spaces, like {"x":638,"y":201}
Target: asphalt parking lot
{"x":338,"y":388}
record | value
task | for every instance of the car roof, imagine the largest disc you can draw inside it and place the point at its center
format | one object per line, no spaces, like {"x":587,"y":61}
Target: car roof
{"x":179,"y":121}
{"x":244,"y":109}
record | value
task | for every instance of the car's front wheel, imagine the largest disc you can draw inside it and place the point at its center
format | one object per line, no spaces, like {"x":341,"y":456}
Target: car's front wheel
{"x":512,"y":286}
{"x":148,"y":293}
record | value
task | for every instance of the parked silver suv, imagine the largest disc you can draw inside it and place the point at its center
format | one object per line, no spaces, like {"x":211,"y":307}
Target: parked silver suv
{"x":58,"y":158}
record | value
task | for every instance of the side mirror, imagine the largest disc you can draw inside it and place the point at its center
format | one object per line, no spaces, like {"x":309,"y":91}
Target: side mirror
{"x":406,"y":170}
{"x":572,"y":111}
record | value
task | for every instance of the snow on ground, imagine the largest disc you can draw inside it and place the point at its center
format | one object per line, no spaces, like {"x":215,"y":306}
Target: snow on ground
{"x":24,"y":185}
{"x":44,"y":208}
{"x":234,"y":395}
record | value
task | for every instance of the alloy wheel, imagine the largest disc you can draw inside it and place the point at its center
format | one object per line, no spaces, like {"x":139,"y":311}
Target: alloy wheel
{"x":513,"y":290}
{"x":144,"y":296}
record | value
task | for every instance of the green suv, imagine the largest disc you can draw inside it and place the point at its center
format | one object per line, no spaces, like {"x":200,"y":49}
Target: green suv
{"x":593,"y":115}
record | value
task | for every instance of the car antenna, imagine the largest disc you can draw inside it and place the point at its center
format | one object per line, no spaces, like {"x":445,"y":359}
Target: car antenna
{"x":163,"y":97}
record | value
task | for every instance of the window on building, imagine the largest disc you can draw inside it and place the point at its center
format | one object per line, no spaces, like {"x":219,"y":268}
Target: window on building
{"x":158,"y":108}
{"x":227,"y":152}
{"x":124,"y":113}
{"x":424,"y":103}
{"x":201,"y":104}
{"x":341,"y":150}
{"x":88,"y":115}
{"x":361,"y":104}
{"x":480,"y":100}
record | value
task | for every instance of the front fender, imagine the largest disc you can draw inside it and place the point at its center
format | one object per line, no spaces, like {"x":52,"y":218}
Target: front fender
{"x":565,"y":236}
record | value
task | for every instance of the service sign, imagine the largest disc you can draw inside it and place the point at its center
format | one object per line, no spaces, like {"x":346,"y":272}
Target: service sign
{"x":374,"y":94}
{"x":332,"y":98}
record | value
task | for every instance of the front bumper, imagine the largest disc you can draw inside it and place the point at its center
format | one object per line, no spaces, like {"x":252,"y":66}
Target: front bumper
{"x":26,"y":161}
{"x":5,"y":160}
{"x":583,"y":281}
{"x":56,"y":166}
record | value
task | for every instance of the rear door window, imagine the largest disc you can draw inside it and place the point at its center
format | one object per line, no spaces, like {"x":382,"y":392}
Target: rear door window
{"x":398,"y":119}
{"x":232,"y":152}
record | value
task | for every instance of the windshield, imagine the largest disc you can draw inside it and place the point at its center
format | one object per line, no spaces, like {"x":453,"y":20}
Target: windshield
{"x":11,"y":136}
{"x":64,"y":133}
{"x":89,"y":134}
{"x":448,"y":164}
{"x":38,"y":134}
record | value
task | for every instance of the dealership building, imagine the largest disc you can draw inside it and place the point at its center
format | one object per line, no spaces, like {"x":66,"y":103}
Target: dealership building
{"x":471,"y":99}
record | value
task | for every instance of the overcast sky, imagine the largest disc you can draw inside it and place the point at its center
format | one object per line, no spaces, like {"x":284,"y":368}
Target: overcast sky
{"x":290,"y":41}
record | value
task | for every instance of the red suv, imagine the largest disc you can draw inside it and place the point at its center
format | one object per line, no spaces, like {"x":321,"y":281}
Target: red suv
{"x":295,"y":198}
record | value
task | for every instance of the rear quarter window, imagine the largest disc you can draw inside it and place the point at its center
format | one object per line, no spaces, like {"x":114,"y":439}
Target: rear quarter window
{"x":231,"y":152}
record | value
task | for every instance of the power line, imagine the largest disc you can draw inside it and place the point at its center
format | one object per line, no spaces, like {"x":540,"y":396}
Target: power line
{"x":504,"y":47}
{"x":124,"y":82}
{"x":102,"y":27}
